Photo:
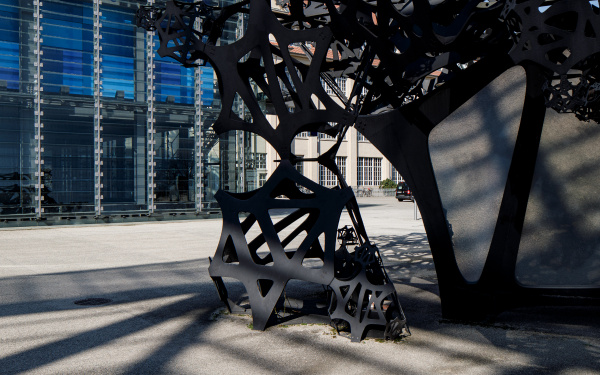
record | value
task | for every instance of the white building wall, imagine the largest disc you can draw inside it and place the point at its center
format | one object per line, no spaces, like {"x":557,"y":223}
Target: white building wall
{"x":351,"y":148}
{"x":272,"y":155}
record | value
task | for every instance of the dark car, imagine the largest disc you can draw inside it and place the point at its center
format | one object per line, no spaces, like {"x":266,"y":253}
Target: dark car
{"x":403,"y":192}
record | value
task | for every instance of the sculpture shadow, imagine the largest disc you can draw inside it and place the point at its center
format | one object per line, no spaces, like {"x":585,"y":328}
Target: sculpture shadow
{"x":176,"y":301}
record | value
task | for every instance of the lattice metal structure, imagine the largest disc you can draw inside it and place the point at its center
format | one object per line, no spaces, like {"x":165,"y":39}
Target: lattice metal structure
{"x":390,"y":49}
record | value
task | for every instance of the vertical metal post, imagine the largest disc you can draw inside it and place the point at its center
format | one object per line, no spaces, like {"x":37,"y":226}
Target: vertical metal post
{"x":37,"y":100}
{"x":198,"y":138}
{"x":415,"y":208}
{"x":150,"y":118}
{"x":240,"y":134}
{"x":97,"y":111}
{"x":243,"y":158}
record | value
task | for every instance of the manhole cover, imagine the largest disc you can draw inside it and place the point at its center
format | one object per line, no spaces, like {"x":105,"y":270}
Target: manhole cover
{"x":93,"y":301}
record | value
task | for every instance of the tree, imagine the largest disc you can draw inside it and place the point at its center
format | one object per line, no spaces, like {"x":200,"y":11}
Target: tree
{"x":388,"y":184}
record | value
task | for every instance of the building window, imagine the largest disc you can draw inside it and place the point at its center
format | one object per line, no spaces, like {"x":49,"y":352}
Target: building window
{"x":327,"y":177}
{"x":369,"y":171}
{"x":303,"y":135}
{"x":261,"y":161}
{"x":361,"y":138}
{"x":300,"y":165}
{"x":341,"y":163}
{"x":326,"y":136}
{"x":340,"y":82}
{"x":396,"y":177}
{"x":262,"y":178}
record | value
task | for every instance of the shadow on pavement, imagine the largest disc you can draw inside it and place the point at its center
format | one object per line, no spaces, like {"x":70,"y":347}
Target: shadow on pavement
{"x":162,"y":318}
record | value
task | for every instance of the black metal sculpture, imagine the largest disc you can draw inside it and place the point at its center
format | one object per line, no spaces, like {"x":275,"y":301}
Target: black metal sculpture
{"x":390,"y":48}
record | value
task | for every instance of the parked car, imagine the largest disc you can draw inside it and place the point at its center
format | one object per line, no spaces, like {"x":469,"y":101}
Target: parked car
{"x":403,"y":192}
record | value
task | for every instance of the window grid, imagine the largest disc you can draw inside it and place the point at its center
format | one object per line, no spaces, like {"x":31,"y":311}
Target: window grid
{"x":327,"y":177}
{"x":341,"y":163}
{"x":300,"y":165}
{"x":327,"y":136}
{"x":261,"y":161}
{"x":262,"y":178}
{"x":340,"y":82}
{"x":396,"y":176}
{"x":369,"y":171}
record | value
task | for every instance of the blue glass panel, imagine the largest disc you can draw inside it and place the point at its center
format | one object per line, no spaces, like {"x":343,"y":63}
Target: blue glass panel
{"x":118,"y":44}
{"x":117,"y":75}
{"x":70,"y":62}
{"x":118,"y":52}
{"x":68,"y":35}
{"x":117,"y":18}
{"x":116,"y":63}
{"x":9,"y":44}
{"x":10,"y":24}
{"x":68,"y":47}
{"x":168,"y":74}
{"x":207,"y":85}
{"x":76,"y":11}
{"x":173,"y":81}
{"x":9,"y":64}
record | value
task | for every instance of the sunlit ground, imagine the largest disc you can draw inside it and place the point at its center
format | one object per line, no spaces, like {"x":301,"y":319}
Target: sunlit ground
{"x":164,"y":315}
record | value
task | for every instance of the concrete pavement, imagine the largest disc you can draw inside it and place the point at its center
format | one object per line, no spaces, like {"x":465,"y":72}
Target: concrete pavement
{"x":164,"y":316}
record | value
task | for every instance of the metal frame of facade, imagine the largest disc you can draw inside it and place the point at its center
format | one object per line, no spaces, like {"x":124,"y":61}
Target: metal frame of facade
{"x":38,"y":107}
{"x":97,"y":111}
{"x":37,"y":89}
{"x":150,"y":120}
{"x":198,"y":136}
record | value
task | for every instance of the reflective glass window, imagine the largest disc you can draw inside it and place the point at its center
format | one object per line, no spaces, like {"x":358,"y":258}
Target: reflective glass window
{"x":67,"y":47}
{"x":174,"y":83}
{"x":119,"y":51}
{"x":17,"y":156}
{"x":124,"y":110}
{"x":9,"y":44}
{"x":369,"y":171}
{"x":68,"y":154}
{"x":17,"y":132}
{"x":175,"y":167}
{"x":123,"y":170}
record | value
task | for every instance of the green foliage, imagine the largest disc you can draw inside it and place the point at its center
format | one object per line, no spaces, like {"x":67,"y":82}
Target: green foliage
{"x":388,"y":184}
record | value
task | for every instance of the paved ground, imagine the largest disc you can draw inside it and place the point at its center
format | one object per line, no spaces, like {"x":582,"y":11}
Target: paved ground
{"x":165,"y":317}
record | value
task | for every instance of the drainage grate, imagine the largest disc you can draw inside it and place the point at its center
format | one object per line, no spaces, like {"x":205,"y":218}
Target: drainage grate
{"x":93,"y":301}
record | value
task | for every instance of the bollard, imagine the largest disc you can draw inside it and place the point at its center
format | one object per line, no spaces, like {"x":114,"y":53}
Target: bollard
{"x":415,"y":206}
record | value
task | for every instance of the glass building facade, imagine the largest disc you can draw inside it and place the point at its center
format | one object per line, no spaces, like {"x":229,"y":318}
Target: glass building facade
{"x":94,"y":124}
